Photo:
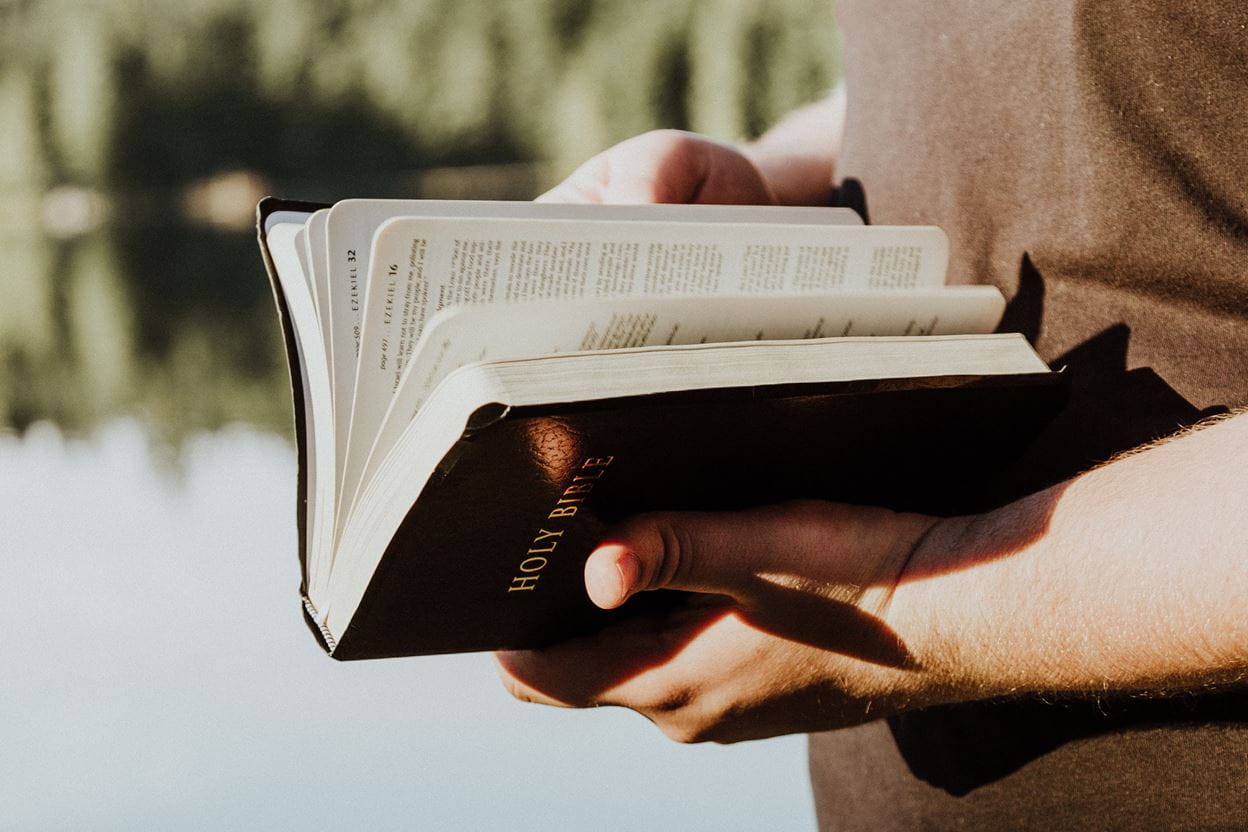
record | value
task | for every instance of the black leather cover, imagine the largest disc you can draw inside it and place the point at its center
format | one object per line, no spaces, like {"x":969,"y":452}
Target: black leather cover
{"x":443,"y":583}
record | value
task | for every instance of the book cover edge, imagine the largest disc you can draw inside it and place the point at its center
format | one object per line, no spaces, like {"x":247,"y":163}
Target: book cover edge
{"x":264,"y":209}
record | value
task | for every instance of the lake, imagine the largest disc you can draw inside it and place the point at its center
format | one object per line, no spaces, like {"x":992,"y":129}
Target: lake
{"x":157,"y":670}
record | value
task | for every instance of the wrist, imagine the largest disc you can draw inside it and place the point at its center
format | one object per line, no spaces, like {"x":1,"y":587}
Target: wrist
{"x":974,"y":609}
{"x":922,"y":666}
{"x":924,"y":612}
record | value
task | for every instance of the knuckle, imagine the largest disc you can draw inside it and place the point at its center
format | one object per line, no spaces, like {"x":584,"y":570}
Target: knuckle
{"x":690,"y":732}
{"x":664,"y":545}
{"x":679,"y":734}
{"x":687,"y":718}
{"x":517,"y":691}
{"x":683,"y":731}
{"x":658,"y":701}
{"x":670,"y":701}
{"x":677,"y":548}
{"x":676,"y":146}
{"x":675,"y":545}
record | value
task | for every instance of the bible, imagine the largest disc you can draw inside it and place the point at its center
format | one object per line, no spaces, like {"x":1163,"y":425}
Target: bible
{"x":482,"y":388}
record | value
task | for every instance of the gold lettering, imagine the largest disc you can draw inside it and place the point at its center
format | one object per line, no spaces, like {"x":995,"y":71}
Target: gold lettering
{"x":592,"y":469}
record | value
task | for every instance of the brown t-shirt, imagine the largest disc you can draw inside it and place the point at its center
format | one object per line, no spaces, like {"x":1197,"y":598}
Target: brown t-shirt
{"x":1091,"y":160}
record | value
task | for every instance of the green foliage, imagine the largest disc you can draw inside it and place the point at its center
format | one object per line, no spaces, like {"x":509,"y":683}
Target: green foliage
{"x":189,"y":86}
{"x":325,"y":98}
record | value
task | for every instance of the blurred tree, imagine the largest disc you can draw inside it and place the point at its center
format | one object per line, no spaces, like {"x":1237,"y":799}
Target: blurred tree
{"x":126,"y":106}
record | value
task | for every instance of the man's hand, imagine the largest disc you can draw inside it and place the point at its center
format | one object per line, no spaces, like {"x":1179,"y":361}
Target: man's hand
{"x":669,"y":166}
{"x":789,"y":631}
{"x":791,"y":164}
{"x":1128,"y":579}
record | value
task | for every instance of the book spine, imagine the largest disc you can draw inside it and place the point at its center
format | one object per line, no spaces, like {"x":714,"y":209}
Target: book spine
{"x":314,"y":619}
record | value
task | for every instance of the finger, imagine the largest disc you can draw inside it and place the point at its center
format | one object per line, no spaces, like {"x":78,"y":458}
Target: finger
{"x":831,"y":552}
{"x":689,"y":686}
{"x":675,"y":166}
{"x":700,"y":552}
{"x":583,"y":672}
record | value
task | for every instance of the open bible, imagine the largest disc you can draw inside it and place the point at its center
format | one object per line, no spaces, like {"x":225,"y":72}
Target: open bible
{"x":482,"y":388}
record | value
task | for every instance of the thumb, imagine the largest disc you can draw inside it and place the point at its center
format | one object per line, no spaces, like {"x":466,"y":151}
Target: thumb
{"x":763,"y":557}
{"x":694,"y":551}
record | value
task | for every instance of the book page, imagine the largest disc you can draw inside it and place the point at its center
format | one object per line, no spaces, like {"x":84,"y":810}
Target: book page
{"x":458,"y":336}
{"x":301,"y":251}
{"x":421,"y":265}
{"x":319,"y":272}
{"x":282,"y":243}
{"x":352,"y":223}
{"x":349,"y":227}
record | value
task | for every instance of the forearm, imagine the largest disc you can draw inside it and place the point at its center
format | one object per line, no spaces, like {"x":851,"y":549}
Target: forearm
{"x":1130,"y":578}
{"x":798,"y":155}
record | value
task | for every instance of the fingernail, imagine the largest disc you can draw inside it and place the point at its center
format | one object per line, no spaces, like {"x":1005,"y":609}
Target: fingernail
{"x":611,"y":575}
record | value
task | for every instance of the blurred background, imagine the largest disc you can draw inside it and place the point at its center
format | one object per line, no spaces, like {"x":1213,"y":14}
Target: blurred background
{"x":157,"y":672}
